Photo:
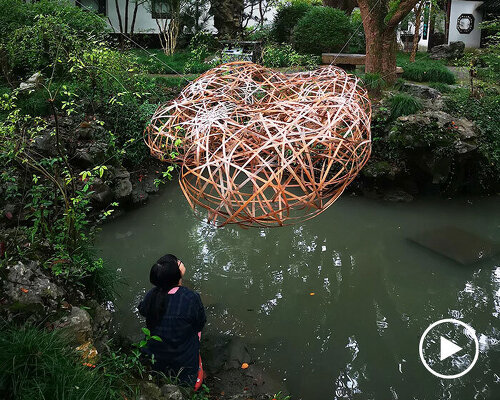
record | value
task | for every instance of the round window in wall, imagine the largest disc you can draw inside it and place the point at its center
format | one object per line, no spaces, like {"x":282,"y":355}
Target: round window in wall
{"x":465,"y":23}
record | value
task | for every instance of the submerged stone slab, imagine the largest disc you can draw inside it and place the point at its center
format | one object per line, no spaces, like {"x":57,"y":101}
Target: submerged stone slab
{"x":457,"y":244}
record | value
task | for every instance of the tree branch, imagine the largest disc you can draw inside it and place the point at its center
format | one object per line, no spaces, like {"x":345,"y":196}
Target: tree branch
{"x":403,"y":9}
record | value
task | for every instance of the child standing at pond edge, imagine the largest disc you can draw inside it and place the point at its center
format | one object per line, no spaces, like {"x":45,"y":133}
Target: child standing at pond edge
{"x":175,"y":314}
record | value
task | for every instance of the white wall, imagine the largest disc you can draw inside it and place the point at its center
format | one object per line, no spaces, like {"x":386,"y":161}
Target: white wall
{"x":459,"y":7}
{"x":145,"y":23}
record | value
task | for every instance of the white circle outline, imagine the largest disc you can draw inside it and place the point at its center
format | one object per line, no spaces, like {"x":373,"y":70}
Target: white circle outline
{"x":451,"y":321}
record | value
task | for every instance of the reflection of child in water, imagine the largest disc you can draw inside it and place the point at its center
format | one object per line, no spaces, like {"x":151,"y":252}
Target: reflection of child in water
{"x":175,"y":314}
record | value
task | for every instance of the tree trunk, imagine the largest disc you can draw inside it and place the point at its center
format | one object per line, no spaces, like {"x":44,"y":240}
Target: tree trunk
{"x":120,"y":25}
{"x":134,"y":16}
{"x":380,"y":32}
{"x":126,"y":17}
{"x":381,"y":54}
{"x":416,"y":34}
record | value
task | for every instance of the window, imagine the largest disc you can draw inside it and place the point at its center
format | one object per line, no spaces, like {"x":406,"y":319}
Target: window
{"x":160,"y":9}
{"x":98,"y":6}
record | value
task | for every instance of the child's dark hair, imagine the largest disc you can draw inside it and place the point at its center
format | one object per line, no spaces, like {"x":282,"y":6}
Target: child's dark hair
{"x":165,"y":275}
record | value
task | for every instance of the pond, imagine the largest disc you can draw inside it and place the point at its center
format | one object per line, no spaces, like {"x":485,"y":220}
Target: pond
{"x":334,"y":307}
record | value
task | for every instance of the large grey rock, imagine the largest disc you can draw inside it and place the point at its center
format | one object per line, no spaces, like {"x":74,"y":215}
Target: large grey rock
{"x":45,"y":143}
{"x":139,"y":196}
{"x":119,"y":173}
{"x":27,"y":284}
{"x":33,"y":82}
{"x":90,"y":154}
{"x":422,"y":91}
{"x":77,"y":325}
{"x":448,"y":52}
{"x":171,"y":392}
{"x":122,"y":189}
{"x":102,"y":194}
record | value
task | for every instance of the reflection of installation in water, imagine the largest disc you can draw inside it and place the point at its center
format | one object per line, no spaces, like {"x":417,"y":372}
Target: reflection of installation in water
{"x":261,"y":148}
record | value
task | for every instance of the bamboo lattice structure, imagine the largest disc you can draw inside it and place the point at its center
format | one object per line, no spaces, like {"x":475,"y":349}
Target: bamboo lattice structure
{"x":258,"y":147}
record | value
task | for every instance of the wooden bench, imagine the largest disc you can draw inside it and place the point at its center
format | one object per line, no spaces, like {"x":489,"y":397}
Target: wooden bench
{"x":345,"y":61}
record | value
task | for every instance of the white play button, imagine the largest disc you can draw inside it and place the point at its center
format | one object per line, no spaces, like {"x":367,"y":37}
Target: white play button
{"x":448,"y":348}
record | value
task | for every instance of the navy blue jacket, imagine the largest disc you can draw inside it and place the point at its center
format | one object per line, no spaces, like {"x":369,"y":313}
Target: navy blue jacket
{"x":178,"y":329}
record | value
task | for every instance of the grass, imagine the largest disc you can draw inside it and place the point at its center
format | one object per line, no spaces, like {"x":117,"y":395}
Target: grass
{"x":424,"y":69}
{"x":156,"y":62}
{"x":37,"y":364}
{"x":404,"y":104}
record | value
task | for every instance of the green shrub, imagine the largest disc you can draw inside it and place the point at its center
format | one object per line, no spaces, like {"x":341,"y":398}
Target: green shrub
{"x":36,"y":364}
{"x":286,"y":18}
{"x":441,"y":87}
{"x":275,"y":56}
{"x":491,"y":56}
{"x":203,"y":38}
{"x":322,"y":30}
{"x":358,"y":40}
{"x":404,"y":104}
{"x":485,"y":112}
{"x":43,"y":33}
{"x":373,"y":82}
{"x":428,"y":71}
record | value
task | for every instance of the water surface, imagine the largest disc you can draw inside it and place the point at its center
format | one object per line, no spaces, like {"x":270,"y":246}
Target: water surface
{"x":375,"y":292}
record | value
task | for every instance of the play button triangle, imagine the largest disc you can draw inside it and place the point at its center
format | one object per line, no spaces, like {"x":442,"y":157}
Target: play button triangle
{"x":448,"y":348}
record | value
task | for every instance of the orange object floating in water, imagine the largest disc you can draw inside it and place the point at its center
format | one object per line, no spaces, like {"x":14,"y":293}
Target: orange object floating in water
{"x":244,"y":366}
{"x":312,"y":294}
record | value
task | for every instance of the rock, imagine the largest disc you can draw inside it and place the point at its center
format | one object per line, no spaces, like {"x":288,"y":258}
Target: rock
{"x":150,"y":391}
{"x":466,"y":129}
{"x":27,"y":284}
{"x":102,"y":194}
{"x":77,"y":325}
{"x":101,"y":318}
{"x":398,"y":196}
{"x":171,"y":392}
{"x":237,"y":354}
{"x":378,"y":169}
{"x":89,"y":130}
{"x":45,"y":143}
{"x":122,"y":189}
{"x":448,"y":52}
{"x":91,"y":154}
{"x":119,"y":173}
{"x":139,"y":196}
{"x":422,"y":91}
{"x":85,"y":131}
{"x":33,"y":82}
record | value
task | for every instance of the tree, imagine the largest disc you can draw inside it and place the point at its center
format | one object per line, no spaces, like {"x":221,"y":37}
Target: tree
{"x":167,"y":15}
{"x":416,"y":34}
{"x":380,"y":21}
{"x":344,"y":5}
{"x":227,"y":16}
{"x":194,"y":16}
{"x":122,"y":12}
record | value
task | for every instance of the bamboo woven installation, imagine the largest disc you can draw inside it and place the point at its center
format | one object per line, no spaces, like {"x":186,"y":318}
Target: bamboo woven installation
{"x":262,"y":148}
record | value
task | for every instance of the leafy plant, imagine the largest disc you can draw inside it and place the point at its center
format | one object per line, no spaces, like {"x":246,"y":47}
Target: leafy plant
{"x":35,"y":364}
{"x":322,"y":30}
{"x":404,"y":104}
{"x":284,"y":55}
{"x":428,"y":71}
{"x":286,"y":18}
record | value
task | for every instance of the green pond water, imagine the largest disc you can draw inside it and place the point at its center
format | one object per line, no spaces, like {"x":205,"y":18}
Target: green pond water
{"x":375,"y":292}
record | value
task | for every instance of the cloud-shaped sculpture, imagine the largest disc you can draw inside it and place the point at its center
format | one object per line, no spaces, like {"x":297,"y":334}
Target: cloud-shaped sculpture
{"x":262,"y":148}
